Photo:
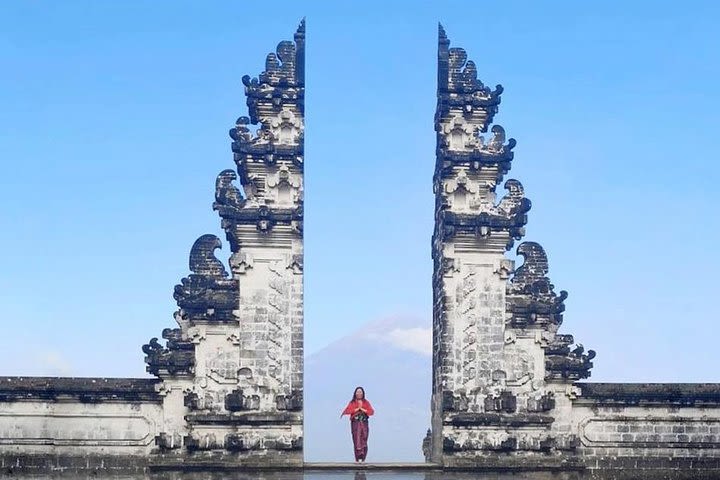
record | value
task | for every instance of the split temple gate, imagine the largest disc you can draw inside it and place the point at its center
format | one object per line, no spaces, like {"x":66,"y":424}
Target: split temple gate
{"x":507,"y":386}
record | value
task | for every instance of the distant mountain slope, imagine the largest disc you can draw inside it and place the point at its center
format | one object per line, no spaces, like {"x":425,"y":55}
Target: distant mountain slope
{"x":391,"y":360}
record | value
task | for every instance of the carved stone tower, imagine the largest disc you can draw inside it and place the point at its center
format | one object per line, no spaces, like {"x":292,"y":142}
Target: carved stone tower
{"x":499,"y":368}
{"x":233,"y":372}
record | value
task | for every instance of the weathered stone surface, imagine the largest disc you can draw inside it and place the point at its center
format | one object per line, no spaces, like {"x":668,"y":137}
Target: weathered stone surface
{"x":245,"y":394}
{"x":666,"y":394}
{"x":46,"y":422}
{"x":490,"y":326}
{"x":230,"y":381}
{"x":503,"y":376}
{"x":229,"y":389}
{"x":83,"y":389}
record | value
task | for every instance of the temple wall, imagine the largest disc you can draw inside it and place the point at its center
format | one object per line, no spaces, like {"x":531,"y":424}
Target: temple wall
{"x":648,"y":426}
{"x":60,"y":423}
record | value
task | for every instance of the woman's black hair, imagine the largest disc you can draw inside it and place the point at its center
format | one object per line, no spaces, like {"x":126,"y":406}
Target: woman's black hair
{"x":354,"y":391}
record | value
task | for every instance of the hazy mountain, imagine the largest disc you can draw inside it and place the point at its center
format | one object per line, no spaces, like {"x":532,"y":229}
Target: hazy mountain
{"x":391,"y":360}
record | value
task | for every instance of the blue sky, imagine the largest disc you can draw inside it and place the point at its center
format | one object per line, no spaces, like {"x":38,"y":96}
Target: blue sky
{"x":113,"y":126}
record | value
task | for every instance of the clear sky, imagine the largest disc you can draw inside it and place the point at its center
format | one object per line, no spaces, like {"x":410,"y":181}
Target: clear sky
{"x":113,"y":126}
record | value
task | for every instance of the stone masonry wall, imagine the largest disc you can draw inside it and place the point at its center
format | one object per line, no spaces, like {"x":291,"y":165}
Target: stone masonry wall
{"x":56,"y":424}
{"x":648,"y":427}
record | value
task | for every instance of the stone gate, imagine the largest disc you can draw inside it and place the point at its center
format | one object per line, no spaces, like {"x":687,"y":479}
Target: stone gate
{"x":227,"y":390}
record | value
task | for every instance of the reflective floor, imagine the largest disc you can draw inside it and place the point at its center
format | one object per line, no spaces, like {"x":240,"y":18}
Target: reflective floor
{"x":628,"y":474}
{"x":326,"y":475}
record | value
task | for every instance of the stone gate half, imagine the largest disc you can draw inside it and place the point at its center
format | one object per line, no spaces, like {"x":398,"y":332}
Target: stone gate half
{"x":506,"y":389}
{"x":229,"y":377}
{"x":233,"y":370}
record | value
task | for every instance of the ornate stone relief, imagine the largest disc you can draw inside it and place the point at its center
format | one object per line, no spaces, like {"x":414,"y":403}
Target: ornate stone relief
{"x":232,"y":355}
{"x":494,"y":326}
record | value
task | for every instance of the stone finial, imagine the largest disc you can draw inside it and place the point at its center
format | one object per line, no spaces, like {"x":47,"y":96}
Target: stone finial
{"x":283,"y":79}
{"x":531,"y":298}
{"x":176,"y":358}
{"x":207,"y":294}
{"x":268,"y":148}
{"x":565,"y":363}
{"x":514,"y":202}
{"x":458,"y":83}
{"x":226,"y":193}
{"x":202,"y":257}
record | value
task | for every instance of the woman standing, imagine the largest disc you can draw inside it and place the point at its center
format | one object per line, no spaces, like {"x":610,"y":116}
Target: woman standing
{"x":359,"y":410}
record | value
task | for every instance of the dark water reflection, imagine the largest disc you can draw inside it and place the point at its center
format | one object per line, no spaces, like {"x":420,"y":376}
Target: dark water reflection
{"x":326,"y":475}
{"x":308,"y":476}
{"x":377,"y":475}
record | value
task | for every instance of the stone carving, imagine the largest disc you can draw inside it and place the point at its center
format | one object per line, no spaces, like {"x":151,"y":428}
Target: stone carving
{"x":284,"y":188}
{"x":227,"y":195}
{"x":461,"y":136}
{"x":223,"y":367}
{"x":459,"y":75}
{"x":236,"y":401}
{"x":518,"y":362}
{"x":457,"y":401}
{"x":573,"y":392}
{"x":207,"y":294}
{"x":514,"y":203}
{"x":269,"y":160}
{"x":202,"y":257}
{"x":494,"y":326}
{"x":168,"y":441}
{"x":253,"y":366}
{"x":278,"y":320}
{"x":531,"y":298}
{"x":427,"y":446}
{"x":286,"y":128}
{"x":282,"y":131}
{"x":505,"y":401}
{"x":292,"y":402}
{"x":241,"y":365}
{"x":263,"y":217}
{"x":466,"y":300}
{"x":567,"y":442}
{"x":176,"y":358}
{"x":283,"y":78}
{"x":237,"y":442}
{"x":562,"y":362}
{"x":240,"y":262}
{"x":202,"y":442}
{"x":496,"y":144}
{"x":474,"y":211}
{"x":541,"y":403}
{"x":191,"y":400}
{"x":295,"y":262}
{"x":500,"y":442}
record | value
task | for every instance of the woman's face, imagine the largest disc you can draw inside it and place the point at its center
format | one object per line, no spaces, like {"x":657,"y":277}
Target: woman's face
{"x":359,"y":395}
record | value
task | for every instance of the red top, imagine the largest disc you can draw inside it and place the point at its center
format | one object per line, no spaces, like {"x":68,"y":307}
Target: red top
{"x":356,"y":405}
